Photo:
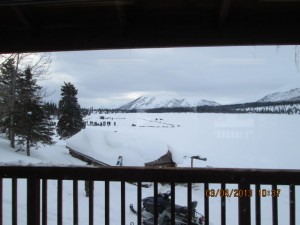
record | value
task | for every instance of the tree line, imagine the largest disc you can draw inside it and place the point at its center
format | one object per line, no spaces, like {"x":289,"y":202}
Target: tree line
{"x":279,"y":107}
{"x":89,"y":111}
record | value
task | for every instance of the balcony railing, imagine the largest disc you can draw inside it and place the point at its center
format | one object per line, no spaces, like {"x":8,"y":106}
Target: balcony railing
{"x":37,"y":189}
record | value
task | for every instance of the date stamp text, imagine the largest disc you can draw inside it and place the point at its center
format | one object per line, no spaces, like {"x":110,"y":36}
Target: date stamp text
{"x":241,"y":193}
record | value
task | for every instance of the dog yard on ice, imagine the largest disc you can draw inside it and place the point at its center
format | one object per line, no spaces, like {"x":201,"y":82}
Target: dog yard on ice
{"x":226,"y":140}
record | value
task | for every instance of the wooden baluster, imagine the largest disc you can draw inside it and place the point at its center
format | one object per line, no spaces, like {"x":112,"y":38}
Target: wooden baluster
{"x":1,"y":201}
{"x":257,"y":205}
{"x":75,"y":202}
{"x":155,"y":204}
{"x":189,"y":201}
{"x":123,"y":206}
{"x":106,"y":202}
{"x":59,"y":202}
{"x":223,"y":205}
{"x":91,"y":202}
{"x":14,"y":201}
{"x":139,"y":203}
{"x":173,"y":203}
{"x":244,"y":206}
{"x":274,"y":206}
{"x":33,"y":201}
{"x":206,"y":203}
{"x":44,"y":201}
{"x":292,"y":205}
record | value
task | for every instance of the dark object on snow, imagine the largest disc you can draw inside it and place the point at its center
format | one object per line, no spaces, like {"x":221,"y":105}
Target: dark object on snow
{"x":120,"y":161}
{"x":164,"y":211}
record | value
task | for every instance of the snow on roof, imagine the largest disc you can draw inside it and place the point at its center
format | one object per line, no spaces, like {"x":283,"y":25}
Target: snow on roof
{"x":107,"y":146}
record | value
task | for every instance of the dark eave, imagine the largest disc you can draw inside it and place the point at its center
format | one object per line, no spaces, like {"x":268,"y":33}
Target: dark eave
{"x":59,"y":25}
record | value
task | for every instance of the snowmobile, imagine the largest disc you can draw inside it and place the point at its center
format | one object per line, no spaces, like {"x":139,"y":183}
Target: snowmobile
{"x":164,"y":211}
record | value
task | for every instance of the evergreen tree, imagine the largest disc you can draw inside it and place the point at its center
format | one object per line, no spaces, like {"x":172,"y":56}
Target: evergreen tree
{"x":51,"y":108}
{"x":70,"y":121}
{"x":8,"y":79}
{"x":33,"y":123}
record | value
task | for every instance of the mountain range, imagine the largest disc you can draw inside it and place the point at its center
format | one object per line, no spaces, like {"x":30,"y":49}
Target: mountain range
{"x":291,"y":95}
{"x":150,"y":102}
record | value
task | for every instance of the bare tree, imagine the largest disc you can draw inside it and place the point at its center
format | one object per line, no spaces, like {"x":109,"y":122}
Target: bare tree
{"x":39,"y":64}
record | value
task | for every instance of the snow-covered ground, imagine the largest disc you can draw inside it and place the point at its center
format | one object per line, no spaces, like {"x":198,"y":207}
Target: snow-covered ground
{"x":226,"y":140}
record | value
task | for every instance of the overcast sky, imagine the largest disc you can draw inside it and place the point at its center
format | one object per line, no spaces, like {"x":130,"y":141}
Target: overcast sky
{"x":222,"y":74}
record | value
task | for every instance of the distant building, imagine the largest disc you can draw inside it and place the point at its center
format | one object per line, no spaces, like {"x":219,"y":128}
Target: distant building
{"x":164,"y":161}
{"x":107,"y":148}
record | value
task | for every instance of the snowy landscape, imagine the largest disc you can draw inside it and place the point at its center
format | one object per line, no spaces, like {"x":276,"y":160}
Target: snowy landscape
{"x":226,"y":140}
{"x":234,"y":107}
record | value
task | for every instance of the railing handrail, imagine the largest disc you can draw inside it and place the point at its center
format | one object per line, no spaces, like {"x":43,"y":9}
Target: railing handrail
{"x":178,"y":175}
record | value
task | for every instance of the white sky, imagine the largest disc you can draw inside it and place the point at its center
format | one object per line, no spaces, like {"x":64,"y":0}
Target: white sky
{"x":222,"y":74}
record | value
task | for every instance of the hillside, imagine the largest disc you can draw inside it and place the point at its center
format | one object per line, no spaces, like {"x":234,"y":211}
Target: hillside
{"x":150,"y":102}
{"x":290,"y":95}
{"x":279,"y":107}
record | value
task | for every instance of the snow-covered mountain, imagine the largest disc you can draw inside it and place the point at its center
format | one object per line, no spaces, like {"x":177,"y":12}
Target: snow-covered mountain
{"x":151,"y":102}
{"x":291,"y":95}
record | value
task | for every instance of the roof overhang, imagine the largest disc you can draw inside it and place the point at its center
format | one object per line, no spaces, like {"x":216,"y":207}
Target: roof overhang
{"x":59,"y":25}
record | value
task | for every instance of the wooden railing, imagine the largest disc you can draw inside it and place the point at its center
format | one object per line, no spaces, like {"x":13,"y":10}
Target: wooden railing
{"x":37,"y":200}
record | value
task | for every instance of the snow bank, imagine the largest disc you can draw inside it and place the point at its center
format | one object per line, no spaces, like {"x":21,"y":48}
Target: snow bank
{"x":9,"y":156}
{"x":107,"y":146}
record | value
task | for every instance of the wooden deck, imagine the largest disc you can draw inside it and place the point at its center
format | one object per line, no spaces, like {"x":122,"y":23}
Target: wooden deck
{"x":88,"y":159}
